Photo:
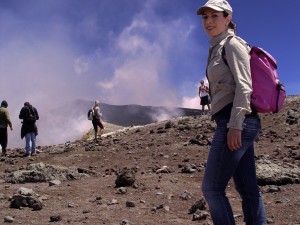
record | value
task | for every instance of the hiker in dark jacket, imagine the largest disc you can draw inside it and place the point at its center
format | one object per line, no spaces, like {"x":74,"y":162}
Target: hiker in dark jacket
{"x":29,"y":130}
{"x":4,"y":123}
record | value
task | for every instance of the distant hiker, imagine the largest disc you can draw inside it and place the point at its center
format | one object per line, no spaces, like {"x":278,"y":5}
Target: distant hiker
{"x":29,"y":130}
{"x":232,"y":149}
{"x":97,"y":119}
{"x":4,"y":123}
{"x":204,"y":98}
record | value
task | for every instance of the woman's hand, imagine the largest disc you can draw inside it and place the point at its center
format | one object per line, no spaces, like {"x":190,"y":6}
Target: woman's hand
{"x":234,"y":139}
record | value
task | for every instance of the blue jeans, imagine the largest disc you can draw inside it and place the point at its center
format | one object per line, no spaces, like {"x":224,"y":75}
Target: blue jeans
{"x":222,"y":165}
{"x":30,"y":137}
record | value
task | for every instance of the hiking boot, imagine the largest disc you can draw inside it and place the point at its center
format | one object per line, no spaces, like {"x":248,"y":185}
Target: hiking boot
{"x":26,"y":155}
{"x":3,"y":152}
{"x":33,"y":154}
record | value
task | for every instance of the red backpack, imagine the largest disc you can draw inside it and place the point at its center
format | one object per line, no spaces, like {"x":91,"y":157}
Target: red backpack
{"x":268,"y":91}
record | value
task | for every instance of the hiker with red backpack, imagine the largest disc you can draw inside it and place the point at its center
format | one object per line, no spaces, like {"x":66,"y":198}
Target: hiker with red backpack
{"x":232,"y":150}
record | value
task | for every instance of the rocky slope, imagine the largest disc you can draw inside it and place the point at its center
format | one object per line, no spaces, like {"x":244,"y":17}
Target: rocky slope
{"x":148,"y":174}
{"x":68,"y":121}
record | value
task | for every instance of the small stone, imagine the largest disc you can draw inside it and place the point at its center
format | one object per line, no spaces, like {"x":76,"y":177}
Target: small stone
{"x":2,"y":197}
{"x":273,"y":188}
{"x":55,"y":218}
{"x":186,"y":195}
{"x":164,"y":169}
{"x":71,"y":205}
{"x":114,"y":201}
{"x":167,"y":208}
{"x":25,"y":191}
{"x":121,"y":190}
{"x":130,"y":204}
{"x":54,"y":182}
{"x":8,"y":219}
{"x":37,"y":205}
{"x":161,"y":206}
{"x":200,"y":215}
{"x":125,"y":222}
{"x":188,"y":169}
{"x":86,"y":211}
{"x":199,"y":205}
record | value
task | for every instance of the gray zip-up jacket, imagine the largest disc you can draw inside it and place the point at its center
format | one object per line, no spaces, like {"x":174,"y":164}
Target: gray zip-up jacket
{"x":232,"y":83}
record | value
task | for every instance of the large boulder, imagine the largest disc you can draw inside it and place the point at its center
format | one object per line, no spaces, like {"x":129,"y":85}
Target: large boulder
{"x":40,"y":172}
{"x":276,"y":172}
{"x":125,"y":177}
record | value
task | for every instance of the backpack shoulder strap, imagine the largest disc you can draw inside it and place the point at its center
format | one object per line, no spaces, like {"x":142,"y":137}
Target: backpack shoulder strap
{"x":32,"y":111}
{"x":223,"y":48}
{"x":224,"y":55}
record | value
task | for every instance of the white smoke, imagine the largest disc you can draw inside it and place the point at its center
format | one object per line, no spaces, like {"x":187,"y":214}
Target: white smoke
{"x":60,"y":58}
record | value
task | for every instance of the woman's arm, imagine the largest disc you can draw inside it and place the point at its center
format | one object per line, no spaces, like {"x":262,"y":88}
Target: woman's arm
{"x":238,"y":59}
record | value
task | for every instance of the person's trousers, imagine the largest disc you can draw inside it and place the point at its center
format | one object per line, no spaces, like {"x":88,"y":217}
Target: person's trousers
{"x":30,"y":137}
{"x":222,"y":165}
{"x":97,"y":123}
{"x":3,"y":139}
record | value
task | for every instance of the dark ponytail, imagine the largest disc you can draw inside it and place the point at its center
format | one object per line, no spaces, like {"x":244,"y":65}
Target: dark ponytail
{"x":231,"y":24}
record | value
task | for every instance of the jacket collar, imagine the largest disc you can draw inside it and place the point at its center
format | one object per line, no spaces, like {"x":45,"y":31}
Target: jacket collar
{"x":216,"y":40}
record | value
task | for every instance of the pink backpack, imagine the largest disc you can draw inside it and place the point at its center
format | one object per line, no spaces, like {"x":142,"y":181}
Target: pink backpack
{"x":268,"y":92}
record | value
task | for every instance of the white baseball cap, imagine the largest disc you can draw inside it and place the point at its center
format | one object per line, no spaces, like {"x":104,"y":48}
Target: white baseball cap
{"x":218,"y":5}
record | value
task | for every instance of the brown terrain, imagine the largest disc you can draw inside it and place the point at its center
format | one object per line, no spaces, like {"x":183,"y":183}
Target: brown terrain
{"x":147,"y":175}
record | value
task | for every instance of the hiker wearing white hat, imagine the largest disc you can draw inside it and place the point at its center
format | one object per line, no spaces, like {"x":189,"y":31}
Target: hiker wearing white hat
{"x":232,"y":150}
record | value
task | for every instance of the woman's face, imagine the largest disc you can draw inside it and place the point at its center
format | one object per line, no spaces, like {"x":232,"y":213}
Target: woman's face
{"x":214,"y":22}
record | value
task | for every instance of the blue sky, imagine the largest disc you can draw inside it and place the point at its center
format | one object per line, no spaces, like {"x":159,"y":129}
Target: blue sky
{"x":147,"y":52}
